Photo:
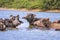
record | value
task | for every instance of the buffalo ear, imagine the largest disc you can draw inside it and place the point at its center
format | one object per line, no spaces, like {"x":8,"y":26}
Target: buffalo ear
{"x":17,"y":15}
{"x":11,"y":15}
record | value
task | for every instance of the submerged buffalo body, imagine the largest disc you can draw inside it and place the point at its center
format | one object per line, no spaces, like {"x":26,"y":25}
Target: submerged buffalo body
{"x":42,"y":23}
{"x":55,"y":26}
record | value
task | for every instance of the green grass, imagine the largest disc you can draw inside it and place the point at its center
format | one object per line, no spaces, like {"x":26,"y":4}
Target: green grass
{"x":31,"y":4}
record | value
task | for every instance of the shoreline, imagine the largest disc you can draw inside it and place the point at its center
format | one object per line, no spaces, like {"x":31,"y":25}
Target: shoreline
{"x":33,"y":10}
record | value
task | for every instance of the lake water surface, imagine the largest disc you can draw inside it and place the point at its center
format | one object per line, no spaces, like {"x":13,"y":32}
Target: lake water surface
{"x":33,"y":34}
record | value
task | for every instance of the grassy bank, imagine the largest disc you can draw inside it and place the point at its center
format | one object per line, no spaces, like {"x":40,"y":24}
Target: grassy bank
{"x":31,"y":4}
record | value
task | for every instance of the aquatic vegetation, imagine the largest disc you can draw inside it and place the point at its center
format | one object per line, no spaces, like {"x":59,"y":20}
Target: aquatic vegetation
{"x":31,"y":26}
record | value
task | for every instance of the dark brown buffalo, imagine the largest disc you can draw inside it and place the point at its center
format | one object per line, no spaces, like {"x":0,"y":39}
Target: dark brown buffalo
{"x":42,"y":23}
{"x":30,"y":18}
{"x":13,"y":21}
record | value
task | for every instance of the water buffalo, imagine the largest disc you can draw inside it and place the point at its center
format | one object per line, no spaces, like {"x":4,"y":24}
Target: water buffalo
{"x":13,"y":21}
{"x":42,"y":23}
{"x":2,"y":25}
{"x":30,"y":18}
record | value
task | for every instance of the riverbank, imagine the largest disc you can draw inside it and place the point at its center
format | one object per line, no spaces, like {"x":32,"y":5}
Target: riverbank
{"x":31,"y":10}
